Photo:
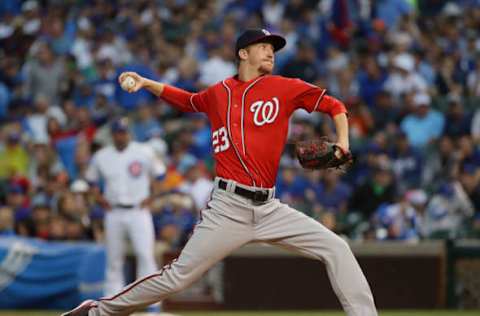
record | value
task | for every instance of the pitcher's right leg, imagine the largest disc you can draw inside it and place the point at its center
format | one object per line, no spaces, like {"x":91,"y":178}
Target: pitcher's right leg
{"x":213,"y":239}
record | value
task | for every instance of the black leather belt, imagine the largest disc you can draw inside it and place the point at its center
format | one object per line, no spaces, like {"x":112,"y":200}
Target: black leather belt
{"x":255,"y":196}
{"x":124,"y":206}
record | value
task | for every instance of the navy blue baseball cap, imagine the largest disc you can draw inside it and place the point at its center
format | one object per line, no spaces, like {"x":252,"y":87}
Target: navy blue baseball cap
{"x":253,"y":36}
{"x":120,"y":125}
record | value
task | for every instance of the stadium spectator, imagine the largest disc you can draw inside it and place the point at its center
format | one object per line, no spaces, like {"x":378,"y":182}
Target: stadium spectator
{"x":83,"y":94}
{"x":158,"y":144}
{"x":473,"y":81}
{"x":74,"y":229}
{"x":468,"y":153}
{"x":403,"y":79}
{"x":44,"y":64}
{"x":470,"y":180}
{"x":344,"y":84}
{"x":103,"y":110}
{"x":448,"y":211}
{"x":273,"y":11}
{"x":17,"y":200}
{"x":303,"y":66}
{"x":36,"y":122}
{"x":40,"y":221}
{"x":361,"y":121}
{"x":331,"y":203}
{"x":44,"y":163}
{"x":459,"y":120}
{"x":402,"y":220}
{"x":7,"y":222}
{"x":85,"y":127}
{"x":174,"y":217}
{"x":105,"y":83}
{"x":442,"y":163}
{"x":201,"y":146}
{"x":14,"y":158}
{"x":380,"y":189}
{"x":475,"y":128}
{"x":188,"y":75}
{"x":384,"y":111}
{"x":332,"y":193}
{"x":11,"y":81}
{"x":449,"y":77}
{"x":371,"y":79}
{"x":290,"y":185}
{"x":218,"y":66}
{"x":112,"y":46}
{"x":4,"y":100}
{"x":56,"y":132}
{"x":31,"y":17}
{"x":390,"y":11}
{"x":197,"y":184}
{"x":424,"y":125}
{"x":73,"y":206}
{"x":418,"y":199}
{"x":145,"y":123}
{"x":56,"y":228}
{"x":369,"y":157}
{"x":407,"y":163}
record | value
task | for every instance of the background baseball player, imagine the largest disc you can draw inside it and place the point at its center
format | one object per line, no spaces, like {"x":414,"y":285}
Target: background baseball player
{"x":126,"y":169}
{"x":249,"y":116}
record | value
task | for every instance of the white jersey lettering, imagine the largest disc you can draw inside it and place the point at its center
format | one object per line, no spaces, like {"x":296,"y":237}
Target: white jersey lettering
{"x":220,"y":140}
{"x":268,"y":111}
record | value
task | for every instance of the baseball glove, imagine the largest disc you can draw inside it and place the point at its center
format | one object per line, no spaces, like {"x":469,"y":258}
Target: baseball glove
{"x":322,"y":154}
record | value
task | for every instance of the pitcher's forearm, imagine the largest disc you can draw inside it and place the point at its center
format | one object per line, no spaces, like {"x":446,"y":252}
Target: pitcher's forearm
{"x":341,"y":126}
{"x":154,"y":87}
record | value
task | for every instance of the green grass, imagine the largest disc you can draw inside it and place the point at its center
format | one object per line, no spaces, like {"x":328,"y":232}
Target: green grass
{"x":289,"y":313}
{"x":326,"y":313}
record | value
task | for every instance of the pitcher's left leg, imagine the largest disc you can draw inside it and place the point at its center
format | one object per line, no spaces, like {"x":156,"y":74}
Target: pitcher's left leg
{"x":283,"y":226}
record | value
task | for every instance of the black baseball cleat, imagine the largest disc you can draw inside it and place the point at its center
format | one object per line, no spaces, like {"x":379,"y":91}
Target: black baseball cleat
{"x":82,"y":309}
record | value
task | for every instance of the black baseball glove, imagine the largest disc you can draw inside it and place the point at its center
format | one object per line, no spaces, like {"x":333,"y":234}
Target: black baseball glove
{"x":322,"y":154}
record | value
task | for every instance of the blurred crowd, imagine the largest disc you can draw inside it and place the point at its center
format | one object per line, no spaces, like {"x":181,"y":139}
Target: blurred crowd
{"x":408,"y":71}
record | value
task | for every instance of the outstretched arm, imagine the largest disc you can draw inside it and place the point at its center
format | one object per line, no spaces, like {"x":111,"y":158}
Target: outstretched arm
{"x":180,"y":99}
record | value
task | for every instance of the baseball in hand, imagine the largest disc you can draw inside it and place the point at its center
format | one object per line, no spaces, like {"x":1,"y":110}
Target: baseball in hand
{"x":128,"y":83}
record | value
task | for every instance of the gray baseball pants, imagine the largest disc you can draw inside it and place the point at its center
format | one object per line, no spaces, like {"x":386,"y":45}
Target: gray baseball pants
{"x":231,"y":221}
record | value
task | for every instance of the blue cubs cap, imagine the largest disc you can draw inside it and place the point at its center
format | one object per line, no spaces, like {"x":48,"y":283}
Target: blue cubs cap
{"x":120,"y":125}
{"x":253,"y":36}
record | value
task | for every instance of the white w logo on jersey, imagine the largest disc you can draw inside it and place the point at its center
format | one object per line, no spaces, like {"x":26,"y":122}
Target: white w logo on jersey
{"x":265,"y":112}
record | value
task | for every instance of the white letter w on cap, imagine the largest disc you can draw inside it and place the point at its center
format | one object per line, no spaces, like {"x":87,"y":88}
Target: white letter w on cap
{"x":266,"y":32}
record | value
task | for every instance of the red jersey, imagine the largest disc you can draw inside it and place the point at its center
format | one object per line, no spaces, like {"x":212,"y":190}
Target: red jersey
{"x":249,"y":121}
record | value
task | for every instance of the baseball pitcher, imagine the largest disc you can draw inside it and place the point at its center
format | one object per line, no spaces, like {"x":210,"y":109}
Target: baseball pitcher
{"x":249,"y":116}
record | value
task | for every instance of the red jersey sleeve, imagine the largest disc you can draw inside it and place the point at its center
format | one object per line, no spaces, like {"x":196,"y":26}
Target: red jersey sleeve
{"x":183,"y":100}
{"x":312,"y":98}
